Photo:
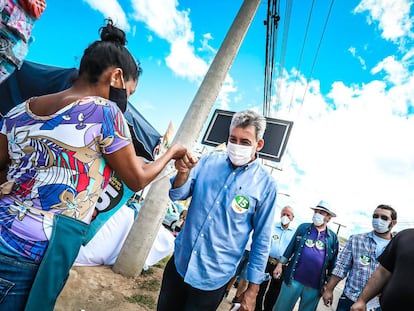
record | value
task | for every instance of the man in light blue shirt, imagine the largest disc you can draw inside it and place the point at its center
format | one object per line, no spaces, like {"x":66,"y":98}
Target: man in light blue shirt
{"x":232,"y":194}
{"x":282,"y":233}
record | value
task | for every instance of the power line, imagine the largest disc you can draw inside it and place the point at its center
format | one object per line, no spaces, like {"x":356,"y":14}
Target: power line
{"x":317,"y":51}
{"x":272,"y":21}
{"x":301,"y":53}
{"x":288,"y":12}
{"x":274,"y":14}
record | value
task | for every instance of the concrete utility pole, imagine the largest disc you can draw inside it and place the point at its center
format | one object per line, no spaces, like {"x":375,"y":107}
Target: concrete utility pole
{"x":136,"y":248}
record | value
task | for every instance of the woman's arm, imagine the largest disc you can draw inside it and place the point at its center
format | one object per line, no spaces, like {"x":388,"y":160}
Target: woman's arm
{"x":137,"y":173}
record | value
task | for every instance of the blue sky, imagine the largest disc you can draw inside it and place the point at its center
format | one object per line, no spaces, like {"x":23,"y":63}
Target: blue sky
{"x":352,"y":114}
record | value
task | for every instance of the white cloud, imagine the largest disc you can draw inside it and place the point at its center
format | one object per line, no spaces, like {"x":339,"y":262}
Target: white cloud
{"x":184,"y":62}
{"x":164,"y":19}
{"x":205,"y":46}
{"x":112,"y":9}
{"x":351,"y":147}
{"x":362,"y":62}
{"x":224,"y":96}
{"x":395,"y":71}
{"x":353,"y":52}
{"x":393,"y":17}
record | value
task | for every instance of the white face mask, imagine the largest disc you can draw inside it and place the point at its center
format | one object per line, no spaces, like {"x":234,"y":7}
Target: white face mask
{"x":284,"y":220}
{"x":380,"y":225}
{"x":239,"y":155}
{"x":318,"y":219}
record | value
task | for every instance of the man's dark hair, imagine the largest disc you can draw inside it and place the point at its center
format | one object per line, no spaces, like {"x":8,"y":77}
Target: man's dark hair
{"x":389,"y":208}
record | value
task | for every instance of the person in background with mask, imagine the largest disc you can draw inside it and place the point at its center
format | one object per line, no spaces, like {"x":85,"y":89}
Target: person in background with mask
{"x":232,"y":195}
{"x":393,"y":278}
{"x":310,"y":256}
{"x":282,"y":234}
{"x":359,"y":259}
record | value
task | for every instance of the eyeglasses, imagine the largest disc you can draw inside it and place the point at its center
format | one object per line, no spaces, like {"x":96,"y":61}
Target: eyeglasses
{"x":383,"y":217}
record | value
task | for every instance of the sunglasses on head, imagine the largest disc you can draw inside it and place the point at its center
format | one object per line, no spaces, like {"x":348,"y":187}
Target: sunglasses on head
{"x":383,"y":217}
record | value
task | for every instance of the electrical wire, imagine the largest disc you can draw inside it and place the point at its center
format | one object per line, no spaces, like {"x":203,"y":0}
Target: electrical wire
{"x":301,"y":54}
{"x":317,"y":53}
{"x":271,"y":46}
{"x":286,"y":26}
{"x":271,"y":23}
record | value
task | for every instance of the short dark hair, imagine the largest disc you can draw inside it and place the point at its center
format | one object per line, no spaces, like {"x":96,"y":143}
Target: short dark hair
{"x":389,"y":208}
{"x":108,"y":52}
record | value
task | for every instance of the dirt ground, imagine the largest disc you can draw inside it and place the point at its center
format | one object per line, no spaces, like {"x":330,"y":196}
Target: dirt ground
{"x":100,"y":289}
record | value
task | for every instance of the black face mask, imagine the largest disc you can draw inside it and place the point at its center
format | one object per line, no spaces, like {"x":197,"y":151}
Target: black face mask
{"x":119,"y":96}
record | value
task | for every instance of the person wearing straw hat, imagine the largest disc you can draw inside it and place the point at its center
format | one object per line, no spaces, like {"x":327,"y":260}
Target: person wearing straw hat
{"x":310,"y":258}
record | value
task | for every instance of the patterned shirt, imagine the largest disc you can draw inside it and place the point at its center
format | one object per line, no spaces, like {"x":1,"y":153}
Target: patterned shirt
{"x":358,"y":259}
{"x":227,"y":204}
{"x":57,"y":166}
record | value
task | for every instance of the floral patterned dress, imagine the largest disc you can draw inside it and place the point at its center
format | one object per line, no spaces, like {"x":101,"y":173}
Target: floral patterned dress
{"x":57,"y":167}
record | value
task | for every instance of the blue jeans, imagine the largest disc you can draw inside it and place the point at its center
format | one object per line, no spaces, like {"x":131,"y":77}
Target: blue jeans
{"x":289,"y":295}
{"x":345,"y":304}
{"x":16,"y":277}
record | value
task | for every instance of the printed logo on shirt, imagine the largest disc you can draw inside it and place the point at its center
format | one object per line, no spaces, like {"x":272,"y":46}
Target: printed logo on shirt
{"x":309,"y":242}
{"x":275,"y":237}
{"x":364,"y":260}
{"x":240,"y":204}
{"x":318,"y":244}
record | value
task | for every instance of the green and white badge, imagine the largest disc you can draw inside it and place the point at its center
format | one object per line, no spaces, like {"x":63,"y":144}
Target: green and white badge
{"x":240,"y":204}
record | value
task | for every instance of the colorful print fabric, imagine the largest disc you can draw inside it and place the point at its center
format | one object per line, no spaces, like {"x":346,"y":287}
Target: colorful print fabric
{"x":58,"y":167}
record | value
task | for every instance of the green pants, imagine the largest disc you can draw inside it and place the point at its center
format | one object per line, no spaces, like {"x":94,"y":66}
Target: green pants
{"x":64,"y":244}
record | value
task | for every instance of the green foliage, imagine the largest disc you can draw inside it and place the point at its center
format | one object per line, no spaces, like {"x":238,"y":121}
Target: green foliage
{"x":151,"y":285}
{"x":162,"y":263}
{"x":149,"y":271}
{"x":143,"y":300}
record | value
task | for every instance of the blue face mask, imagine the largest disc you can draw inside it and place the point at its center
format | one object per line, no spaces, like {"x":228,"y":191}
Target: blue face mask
{"x":380,"y":225}
{"x":119,"y":96}
{"x":318,"y":219}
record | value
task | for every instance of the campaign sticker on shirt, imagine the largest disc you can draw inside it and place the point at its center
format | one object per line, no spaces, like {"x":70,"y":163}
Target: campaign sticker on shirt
{"x":309,"y":242}
{"x":364,"y":260}
{"x":275,"y":237}
{"x":240,"y":204}
{"x":320,"y":244}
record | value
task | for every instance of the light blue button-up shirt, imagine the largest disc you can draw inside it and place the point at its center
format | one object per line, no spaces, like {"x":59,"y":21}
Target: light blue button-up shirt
{"x":227,"y":204}
{"x":280,"y":239}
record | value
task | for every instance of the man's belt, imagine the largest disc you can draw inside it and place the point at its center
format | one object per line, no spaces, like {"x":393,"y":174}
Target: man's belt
{"x":273,"y":261}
